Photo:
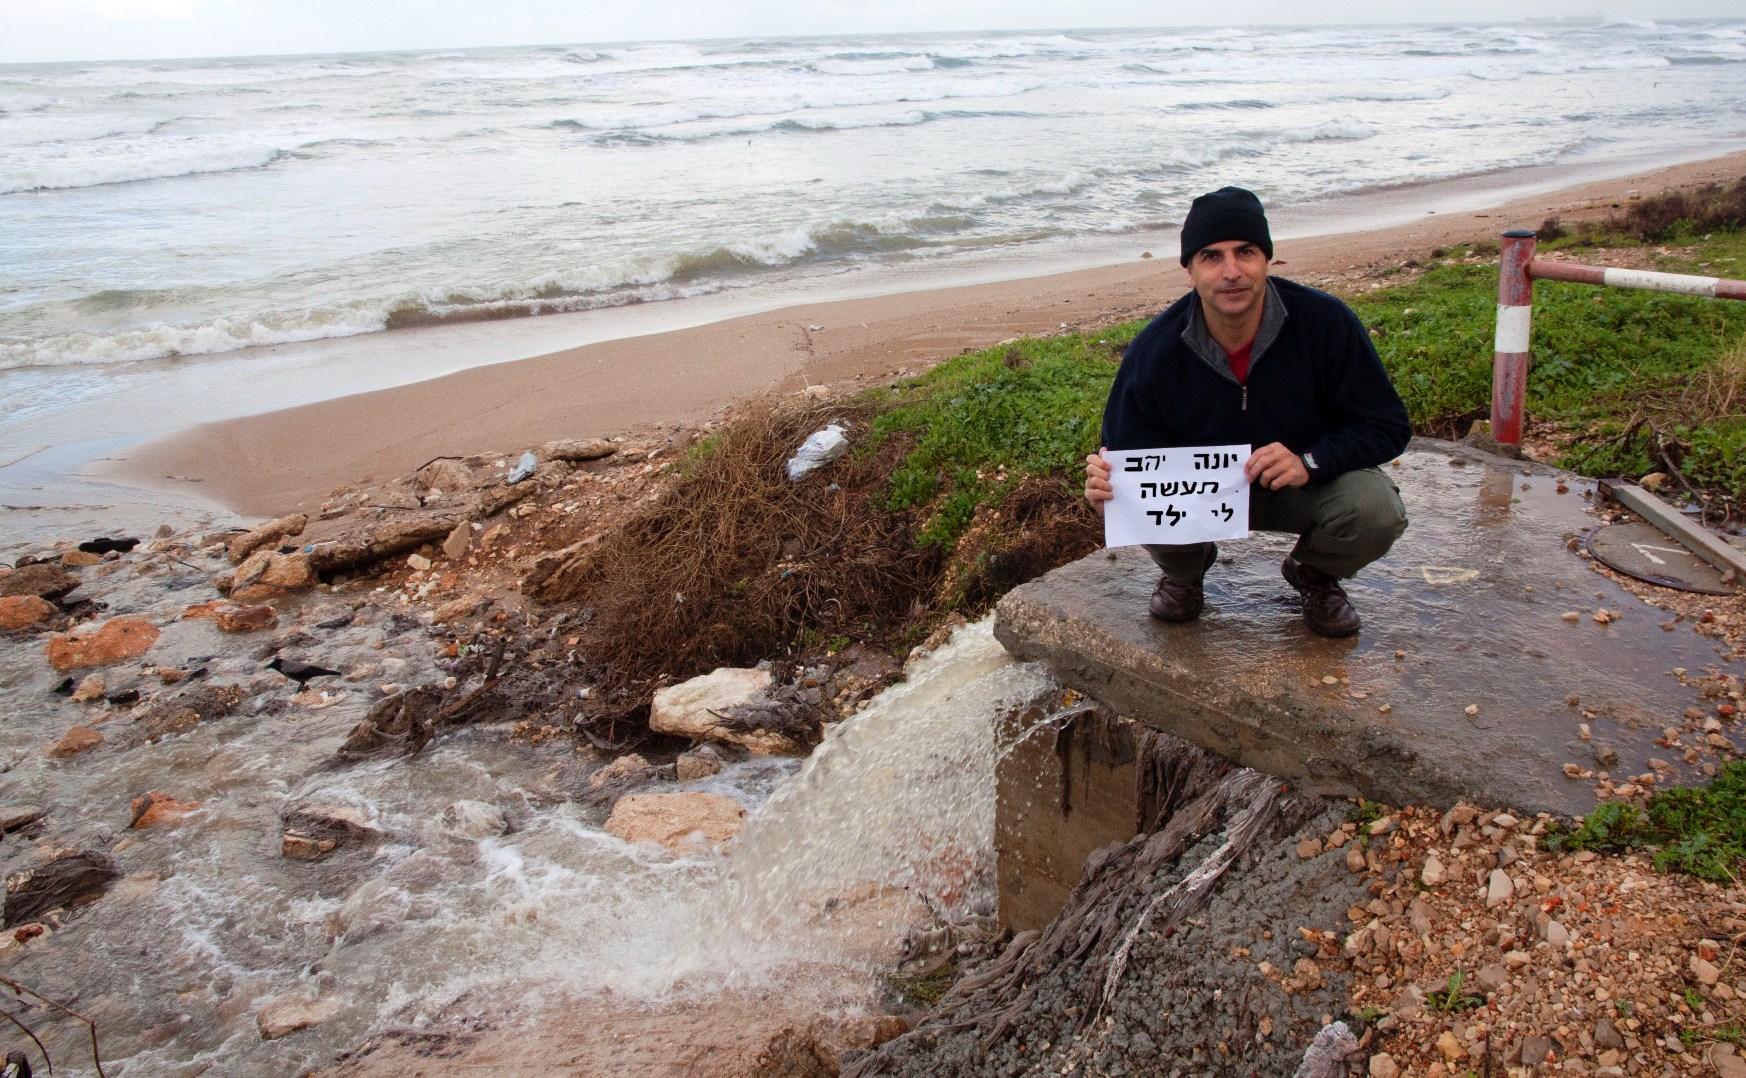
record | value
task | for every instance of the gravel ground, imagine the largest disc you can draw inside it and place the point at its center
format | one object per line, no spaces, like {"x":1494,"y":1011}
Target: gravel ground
{"x":1478,"y":951}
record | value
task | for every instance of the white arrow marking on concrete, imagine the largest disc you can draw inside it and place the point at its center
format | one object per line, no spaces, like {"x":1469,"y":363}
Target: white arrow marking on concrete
{"x":1645,"y":548}
{"x":1448,"y":574}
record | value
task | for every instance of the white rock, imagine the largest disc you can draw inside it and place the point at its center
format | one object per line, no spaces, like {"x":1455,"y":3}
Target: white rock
{"x":1500,"y":888}
{"x":1556,"y":934}
{"x":1433,"y":873}
{"x":685,"y":710}
{"x":474,"y":819}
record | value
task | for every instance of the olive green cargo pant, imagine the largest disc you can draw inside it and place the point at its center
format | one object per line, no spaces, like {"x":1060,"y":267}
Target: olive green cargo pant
{"x":1341,"y":526}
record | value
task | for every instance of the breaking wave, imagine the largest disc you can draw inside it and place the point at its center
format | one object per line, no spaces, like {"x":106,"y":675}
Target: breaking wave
{"x":48,"y":167}
{"x":680,"y":276}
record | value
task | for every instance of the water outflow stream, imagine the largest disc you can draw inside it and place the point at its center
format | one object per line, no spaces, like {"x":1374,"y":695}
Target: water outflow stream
{"x":211,"y":922}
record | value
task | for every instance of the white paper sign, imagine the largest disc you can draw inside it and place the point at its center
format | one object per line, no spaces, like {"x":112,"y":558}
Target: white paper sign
{"x":1196,"y":494}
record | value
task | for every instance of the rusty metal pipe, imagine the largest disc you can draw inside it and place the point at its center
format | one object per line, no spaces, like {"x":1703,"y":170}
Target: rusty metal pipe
{"x":1509,"y":369}
{"x":1613,"y":277}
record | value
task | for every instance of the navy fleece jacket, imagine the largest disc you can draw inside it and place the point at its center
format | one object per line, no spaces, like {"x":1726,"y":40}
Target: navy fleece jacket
{"x":1315,"y":385}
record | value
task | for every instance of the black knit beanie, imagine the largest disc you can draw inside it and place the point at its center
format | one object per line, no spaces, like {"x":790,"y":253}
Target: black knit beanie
{"x":1230,"y":213}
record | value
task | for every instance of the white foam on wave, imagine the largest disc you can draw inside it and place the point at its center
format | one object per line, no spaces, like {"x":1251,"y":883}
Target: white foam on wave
{"x":13,"y":104}
{"x":646,"y":57}
{"x":160,"y":340}
{"x":1065,"y":184}
{"x":906,"y":118}
{"x":35,"y":128}
{"x":1436,"y":94}
{"x":216,"y":74}
{"x":59,"y":166}
{"x":893,"y":65}
{"x":780,"y":104}
{"x":1338,"y":130}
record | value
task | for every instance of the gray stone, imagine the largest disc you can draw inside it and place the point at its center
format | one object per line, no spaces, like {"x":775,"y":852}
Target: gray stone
{"x":1453,"y":598}
{"x":370,"y":545}
{"x":699,"y":763}
{"x":43,"y":580}
{"x":447,"y":474}
{"x":270,"y":532}
{"x":1534,"y":1050}
{"x":579,"y":449}
{"x":459,"y":542}
{"x":1607,"y":1035}
{"x":13,"y":817}
{"x":474,"y":819}
{"x":1499,"y":888}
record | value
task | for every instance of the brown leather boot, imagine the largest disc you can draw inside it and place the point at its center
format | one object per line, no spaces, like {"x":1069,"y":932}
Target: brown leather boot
{"x":1181,"y":600}
{"x":1326,"y":610}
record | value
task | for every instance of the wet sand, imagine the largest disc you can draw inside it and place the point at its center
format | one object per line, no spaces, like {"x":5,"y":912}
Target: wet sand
{"x":291,"y":459}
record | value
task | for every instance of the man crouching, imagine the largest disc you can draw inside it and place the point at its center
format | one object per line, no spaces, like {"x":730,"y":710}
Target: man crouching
{"x":1249,"y":359}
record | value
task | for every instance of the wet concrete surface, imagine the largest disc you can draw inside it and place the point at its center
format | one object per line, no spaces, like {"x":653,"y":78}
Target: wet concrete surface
{"x":1465,"y":611}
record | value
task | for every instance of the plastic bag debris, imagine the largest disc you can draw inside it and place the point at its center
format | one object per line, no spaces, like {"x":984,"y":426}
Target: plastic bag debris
{"x":820,"y":448}
{"x":526,"y":466}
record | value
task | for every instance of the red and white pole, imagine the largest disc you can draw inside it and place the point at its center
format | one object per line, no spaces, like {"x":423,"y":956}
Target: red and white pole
{"x":1515,"y":305}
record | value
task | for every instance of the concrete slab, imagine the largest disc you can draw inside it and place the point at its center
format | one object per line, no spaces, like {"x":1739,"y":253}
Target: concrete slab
{"x":1464,"y":612}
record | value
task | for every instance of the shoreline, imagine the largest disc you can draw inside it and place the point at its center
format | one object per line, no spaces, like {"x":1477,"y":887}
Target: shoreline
{"x":281,"y":461}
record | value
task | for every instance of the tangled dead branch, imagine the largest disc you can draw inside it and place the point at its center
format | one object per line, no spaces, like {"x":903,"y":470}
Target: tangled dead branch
{"x":734,"y":560}
{"x":20,"y":989}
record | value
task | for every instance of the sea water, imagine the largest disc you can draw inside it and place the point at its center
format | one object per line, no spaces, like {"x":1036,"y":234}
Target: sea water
{"x":198,"y":207}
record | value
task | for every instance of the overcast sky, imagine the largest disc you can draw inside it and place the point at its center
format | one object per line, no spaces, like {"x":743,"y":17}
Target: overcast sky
{"x":43,"y":30}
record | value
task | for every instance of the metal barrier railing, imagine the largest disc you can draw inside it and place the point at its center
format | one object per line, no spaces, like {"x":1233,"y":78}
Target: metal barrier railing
{"x":1518,"y":269}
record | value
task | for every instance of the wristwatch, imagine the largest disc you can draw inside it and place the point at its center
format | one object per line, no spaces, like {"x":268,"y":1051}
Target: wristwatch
{"x":1310,"y":465}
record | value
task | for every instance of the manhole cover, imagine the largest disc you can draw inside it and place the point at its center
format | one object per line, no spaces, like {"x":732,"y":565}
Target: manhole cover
{"x":1642,"y":550}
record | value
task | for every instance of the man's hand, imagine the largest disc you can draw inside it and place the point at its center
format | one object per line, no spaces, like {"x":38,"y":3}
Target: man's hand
{"x":1272,"y":466}
{"x":1097,"y":488}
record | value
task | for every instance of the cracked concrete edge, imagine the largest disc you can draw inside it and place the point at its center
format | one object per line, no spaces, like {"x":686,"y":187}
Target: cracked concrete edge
{"x":1321,"y":751}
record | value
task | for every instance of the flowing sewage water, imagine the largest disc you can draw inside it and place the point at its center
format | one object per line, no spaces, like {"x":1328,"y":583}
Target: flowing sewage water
{"x":211,"y":921}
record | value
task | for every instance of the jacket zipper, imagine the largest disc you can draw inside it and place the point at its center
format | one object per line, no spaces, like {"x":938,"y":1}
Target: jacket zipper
{"x":1245,"y":396}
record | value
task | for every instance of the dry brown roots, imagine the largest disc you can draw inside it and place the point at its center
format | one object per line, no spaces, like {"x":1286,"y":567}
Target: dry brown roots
{"x":734,"y":563}
{"x":734,"y":560}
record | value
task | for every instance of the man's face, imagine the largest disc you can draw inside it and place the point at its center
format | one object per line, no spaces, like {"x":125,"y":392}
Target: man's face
{"x":1231,"y":277}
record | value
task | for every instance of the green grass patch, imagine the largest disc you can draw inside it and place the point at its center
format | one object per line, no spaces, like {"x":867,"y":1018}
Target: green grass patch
{"x":1453,"y":998}
{"x":1697,"y":830}
{"x":1629,"y":381}
{"x":986,"y":420}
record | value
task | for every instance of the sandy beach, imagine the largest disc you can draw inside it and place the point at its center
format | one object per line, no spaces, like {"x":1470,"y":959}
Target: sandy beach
{"x":291,"y":459}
